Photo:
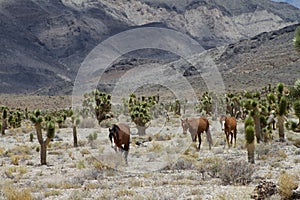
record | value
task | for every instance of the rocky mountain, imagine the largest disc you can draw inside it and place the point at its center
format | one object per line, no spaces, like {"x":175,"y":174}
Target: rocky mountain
{"x":295,"y":3}
{"x":249,"y":64}
{"x":43,"y":42}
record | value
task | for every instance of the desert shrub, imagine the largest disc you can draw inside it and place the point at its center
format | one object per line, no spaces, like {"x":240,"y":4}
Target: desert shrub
{"x":12,"y":193}
{"x":92,"y":137}
{"x":287,"y":183}
{"x":155,"y":147}
{"x":211,"y":166}
{"x":236,"y":172}
{"x":15,"y":159}
{"x":80,"y":164}
{"x":183,"y":163}
{"x":52,"y":193}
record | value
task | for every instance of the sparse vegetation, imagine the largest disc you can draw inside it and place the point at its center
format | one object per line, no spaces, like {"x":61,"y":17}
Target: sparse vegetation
{"x":287,"y":183}
{"x":236,"y":173}
{"x":11,"y":193}
{"x":297,"y":39}
{"x":139,"y":109}
{"x":39,"y":121}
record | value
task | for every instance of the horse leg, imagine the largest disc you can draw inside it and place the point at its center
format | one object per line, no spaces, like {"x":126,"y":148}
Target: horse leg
{"x":126,"y":151}
{"x":235,"y":137}
{"x":199,"y":137}
{"x":231,"y":138}
{"x":227,"y":139}
{"x":209,"y":139}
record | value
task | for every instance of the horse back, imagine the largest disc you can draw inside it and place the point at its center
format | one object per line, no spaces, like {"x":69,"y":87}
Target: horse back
{"x":124,"y":133}
{"x":198,"y":124}
{"x":230,"y":123}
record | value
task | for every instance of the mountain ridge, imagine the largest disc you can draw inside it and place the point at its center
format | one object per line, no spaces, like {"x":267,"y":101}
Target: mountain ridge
{"x":43,"y":43}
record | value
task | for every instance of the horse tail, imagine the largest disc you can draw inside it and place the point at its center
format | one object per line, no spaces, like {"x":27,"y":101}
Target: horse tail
{"x":208,"y":134}
{"x":209,"y":138}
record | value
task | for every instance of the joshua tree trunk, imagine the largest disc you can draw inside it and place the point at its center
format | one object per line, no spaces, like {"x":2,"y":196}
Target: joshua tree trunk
{"x":43,"y":143}
{"x":3,"y":127}
{"x":141,"y":130}
{"x":257,"y":128}
{"x":281,"y":128}
{"x":250,"y":149}
{"x":75,"y":136}
{"x":43,"y":154}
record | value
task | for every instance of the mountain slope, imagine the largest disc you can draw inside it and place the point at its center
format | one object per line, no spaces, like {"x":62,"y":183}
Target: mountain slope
{"x":43,"y":42}
{"x":295,"y":3}
{"x":249,"y":64}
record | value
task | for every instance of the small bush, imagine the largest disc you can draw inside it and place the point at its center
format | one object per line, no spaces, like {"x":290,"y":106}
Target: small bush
{"x":12,"y":193}
{"x":236,"y":172}
{"x":155,"y":147}
{"x":15,"y":159}
{"x":80,"y":164}
{"x":287,"y":183}
{"x":184,"y":163}
{"x":211,"y":166}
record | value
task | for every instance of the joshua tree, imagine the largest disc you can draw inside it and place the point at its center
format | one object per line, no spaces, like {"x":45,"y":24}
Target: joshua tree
{"x":233,"y":104}
{"x":140,"y":112}
{"x":205,"y":103}
{"x":38,"y":120}
{"x":15,"y":119}
{"x":103,"y":106}
{"x":297,"y":39}
{"x":282,"y":109}
{"x":249,"y":136}
{"x":254,"y":108}
{"x":4,"y":120}
{"x":75,"y":122}
{"x":177,"y":107}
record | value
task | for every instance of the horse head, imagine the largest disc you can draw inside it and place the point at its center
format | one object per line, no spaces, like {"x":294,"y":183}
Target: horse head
{"x":222,"y":121}
{"x":185,"y":125}
{"x":113,"y":133}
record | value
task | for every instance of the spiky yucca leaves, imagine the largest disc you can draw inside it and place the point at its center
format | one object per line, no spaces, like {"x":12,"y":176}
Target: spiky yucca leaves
{"x":233,"y":104}
{"x":296,"y":39}
{"x":139,"y":110}
{"x":15,"y":118}
{"x":49,"y":124}
{"x":177,"y":107}
{"x":282,"y":109}
{"x":249,"y":136}
{"x":254,"y":109}
{"x":103,"y":105}
{"x":205,"y":103}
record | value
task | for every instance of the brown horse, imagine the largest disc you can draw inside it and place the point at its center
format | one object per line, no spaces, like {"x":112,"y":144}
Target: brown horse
{"x":121,"y":135}
{"x":196,"y":126}
{"x":228,"y":125}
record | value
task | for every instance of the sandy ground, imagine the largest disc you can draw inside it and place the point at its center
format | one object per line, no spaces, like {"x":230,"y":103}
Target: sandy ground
{"x":167,"y":167}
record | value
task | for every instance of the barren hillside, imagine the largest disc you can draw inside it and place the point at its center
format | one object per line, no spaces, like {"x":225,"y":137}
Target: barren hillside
{"x":44,"y":42}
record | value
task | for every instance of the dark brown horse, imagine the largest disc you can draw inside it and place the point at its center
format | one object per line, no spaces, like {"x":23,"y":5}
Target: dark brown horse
{"x":121,"y":135}
{"x":228,"y":125}
{"x":196,"y":126}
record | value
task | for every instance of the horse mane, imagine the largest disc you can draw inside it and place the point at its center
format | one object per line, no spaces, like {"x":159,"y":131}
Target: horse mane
{"x":116,"y":130}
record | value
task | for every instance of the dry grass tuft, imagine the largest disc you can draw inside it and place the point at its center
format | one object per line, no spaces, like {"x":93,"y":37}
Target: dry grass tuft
{"x":12,"y":193}
{"x":287,"y":183}
{"x":155,"y":147}
{"x":14,"y":159}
